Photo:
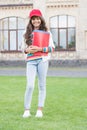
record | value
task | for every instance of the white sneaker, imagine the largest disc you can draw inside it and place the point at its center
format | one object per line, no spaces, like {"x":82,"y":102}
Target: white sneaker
{"x":39,"y":114}
{"x":26,"y":114}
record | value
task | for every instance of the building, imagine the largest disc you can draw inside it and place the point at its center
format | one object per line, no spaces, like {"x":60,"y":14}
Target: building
{"x":66,"y":19}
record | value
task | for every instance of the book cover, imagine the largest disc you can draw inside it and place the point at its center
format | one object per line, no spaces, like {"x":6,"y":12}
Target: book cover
{"x":40,"y":39}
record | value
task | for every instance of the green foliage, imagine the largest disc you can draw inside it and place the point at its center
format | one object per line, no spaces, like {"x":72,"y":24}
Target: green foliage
{"x":72,"y":44}
{"x":65,"y":108}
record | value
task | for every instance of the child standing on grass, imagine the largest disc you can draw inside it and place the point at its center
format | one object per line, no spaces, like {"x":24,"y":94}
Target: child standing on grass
{"x":36,"y":64}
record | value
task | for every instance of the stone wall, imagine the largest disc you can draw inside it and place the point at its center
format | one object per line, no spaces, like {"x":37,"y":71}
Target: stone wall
{"x":52,"y":63}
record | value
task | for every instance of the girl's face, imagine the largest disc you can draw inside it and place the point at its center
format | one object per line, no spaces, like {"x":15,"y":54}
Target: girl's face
{"x":36,"y":21}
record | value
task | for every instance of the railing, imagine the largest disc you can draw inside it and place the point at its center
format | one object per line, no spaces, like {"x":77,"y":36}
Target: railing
{"x":5,"y":2}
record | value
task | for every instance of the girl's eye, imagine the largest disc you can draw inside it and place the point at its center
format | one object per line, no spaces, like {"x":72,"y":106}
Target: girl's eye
{"x":33,"y":18}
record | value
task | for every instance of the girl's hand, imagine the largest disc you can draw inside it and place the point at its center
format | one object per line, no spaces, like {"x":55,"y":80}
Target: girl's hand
{"x":33,"y":49}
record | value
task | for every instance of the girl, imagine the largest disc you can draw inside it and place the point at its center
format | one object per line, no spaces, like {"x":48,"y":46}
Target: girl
{"x":36,"y":64}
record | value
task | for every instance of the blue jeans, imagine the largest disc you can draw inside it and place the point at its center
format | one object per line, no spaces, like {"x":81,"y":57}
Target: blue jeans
{"x":40,"y":68}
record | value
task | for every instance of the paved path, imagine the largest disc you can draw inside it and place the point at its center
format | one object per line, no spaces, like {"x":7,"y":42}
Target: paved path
{"x":58,"y":72}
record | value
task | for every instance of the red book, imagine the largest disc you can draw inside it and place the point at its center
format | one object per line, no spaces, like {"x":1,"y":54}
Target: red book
{"x":40,"y":39}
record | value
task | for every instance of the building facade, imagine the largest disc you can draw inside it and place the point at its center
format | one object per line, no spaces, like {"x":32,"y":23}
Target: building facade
{"x":66,"y":19}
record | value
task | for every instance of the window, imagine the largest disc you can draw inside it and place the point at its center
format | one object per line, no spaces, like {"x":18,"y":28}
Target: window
{"x":11,"y":31}
{"x":63,"y":30}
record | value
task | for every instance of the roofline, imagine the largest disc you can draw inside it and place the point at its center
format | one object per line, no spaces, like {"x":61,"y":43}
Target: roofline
{"x":15,"y":5}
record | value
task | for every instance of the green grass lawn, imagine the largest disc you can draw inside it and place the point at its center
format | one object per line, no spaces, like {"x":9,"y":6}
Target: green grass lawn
{"x":65,"y":107}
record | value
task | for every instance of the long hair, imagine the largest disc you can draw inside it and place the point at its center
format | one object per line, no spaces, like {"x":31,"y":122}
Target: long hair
{"x":30,"y":28}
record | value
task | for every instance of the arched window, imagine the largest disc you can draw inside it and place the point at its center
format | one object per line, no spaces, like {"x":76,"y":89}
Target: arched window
{"x":11,"y":31}
{"x":64,"y":32}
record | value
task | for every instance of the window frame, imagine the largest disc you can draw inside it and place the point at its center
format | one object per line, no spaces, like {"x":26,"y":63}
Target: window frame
{"x":67,"y":29}
{"x":9,"y":31}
